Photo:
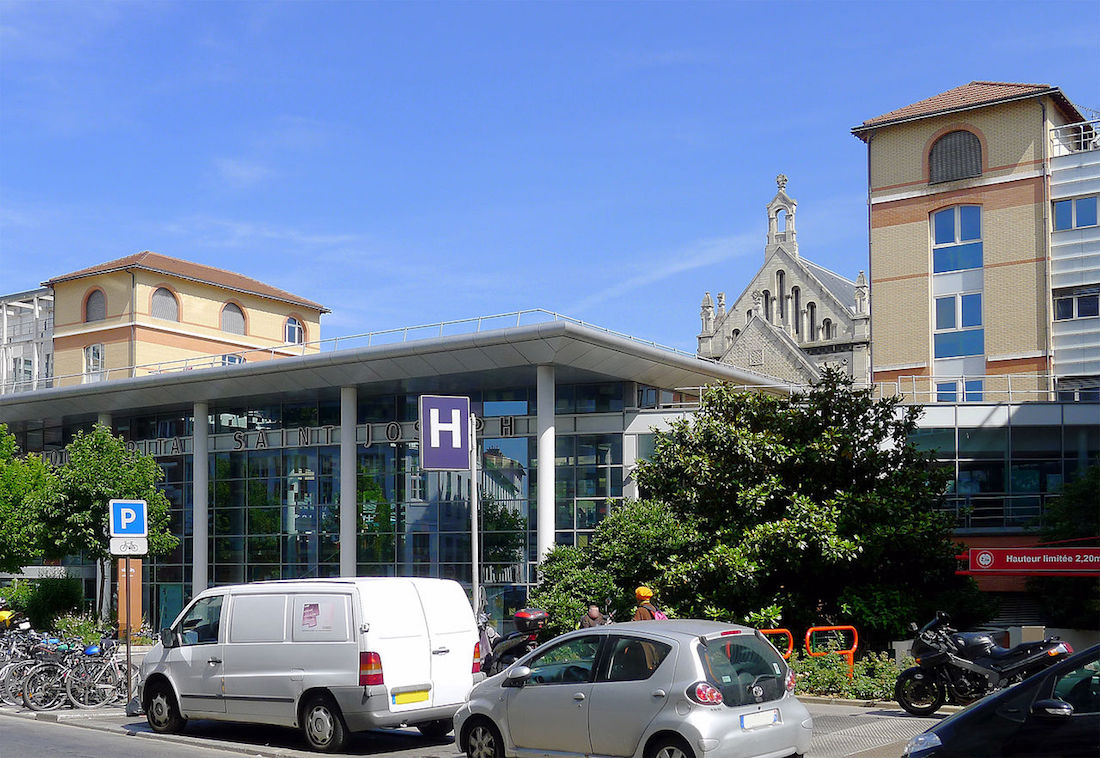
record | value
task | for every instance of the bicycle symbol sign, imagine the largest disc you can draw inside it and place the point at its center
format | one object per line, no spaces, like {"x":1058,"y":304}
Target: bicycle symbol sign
{"x":129,"y":545}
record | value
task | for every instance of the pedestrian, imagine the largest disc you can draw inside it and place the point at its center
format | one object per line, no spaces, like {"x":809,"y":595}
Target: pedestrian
{"x":593,"y":617}
{"x":646,"y":610}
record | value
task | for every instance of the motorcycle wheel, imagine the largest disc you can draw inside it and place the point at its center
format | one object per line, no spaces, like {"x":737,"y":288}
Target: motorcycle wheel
{"x":919,"y":692}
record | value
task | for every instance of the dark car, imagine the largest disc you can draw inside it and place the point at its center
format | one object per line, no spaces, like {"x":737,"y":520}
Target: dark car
{"x":1053,"y":714}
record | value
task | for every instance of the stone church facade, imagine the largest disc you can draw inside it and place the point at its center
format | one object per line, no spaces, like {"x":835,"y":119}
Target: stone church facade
{"x":794,"y":317}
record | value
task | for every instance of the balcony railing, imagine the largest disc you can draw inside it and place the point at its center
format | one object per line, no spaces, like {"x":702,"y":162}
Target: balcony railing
{"x":995,"y":512}
{"x":368,"y":339}
{"x":1075,"y":138}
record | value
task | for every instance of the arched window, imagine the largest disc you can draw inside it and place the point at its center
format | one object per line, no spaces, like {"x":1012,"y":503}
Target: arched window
{"x":955,"y":155}
{"x":295,"y":334}
{"x":826,"y":328}
{"x":811,"y":322}
{"x":796,"y":309}
{"x":95,"y":307}
{"x":232,"y":319}
{"x":736,"y":333}
{"x":165,"y":305}
{"x":767,"y":305}
{"x":748,"y":316}
{"x":781,"y":294}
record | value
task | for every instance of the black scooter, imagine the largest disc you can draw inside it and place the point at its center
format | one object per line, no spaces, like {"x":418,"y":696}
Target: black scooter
{"x":504,"y":651}
{"x":963,"y":667}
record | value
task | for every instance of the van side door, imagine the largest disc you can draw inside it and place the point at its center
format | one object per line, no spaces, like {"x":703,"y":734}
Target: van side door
{"x":258,"y":662}
{"x":452,"y":635}
{"x":196,"y":664}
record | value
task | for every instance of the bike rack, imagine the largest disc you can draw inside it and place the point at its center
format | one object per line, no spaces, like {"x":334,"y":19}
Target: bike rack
{"x":849,"y":654}
{"x":785,"y":633}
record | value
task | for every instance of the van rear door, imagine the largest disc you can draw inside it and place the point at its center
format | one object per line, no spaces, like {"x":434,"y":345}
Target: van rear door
{"x":398,"y":634}
{"x":452,"y":633}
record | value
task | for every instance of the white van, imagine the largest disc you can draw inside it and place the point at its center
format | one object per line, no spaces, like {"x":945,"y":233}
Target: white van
{"x":330,"y":656}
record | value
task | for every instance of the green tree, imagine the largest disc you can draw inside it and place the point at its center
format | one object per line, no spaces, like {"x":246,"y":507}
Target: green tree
{"x":24,"y":483}
{"x":503,"y":532}
{"x":99,"y":469}
{"x":1072,"y":520}
{"x":815,"y":506}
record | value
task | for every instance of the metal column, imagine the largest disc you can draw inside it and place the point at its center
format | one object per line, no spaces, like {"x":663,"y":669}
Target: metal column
{"x":348,"y":482}
{"x":200,"y":438}
{"x":545,"y":398}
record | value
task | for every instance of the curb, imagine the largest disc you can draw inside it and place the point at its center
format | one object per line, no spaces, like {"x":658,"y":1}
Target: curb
{"x":823,"y":700}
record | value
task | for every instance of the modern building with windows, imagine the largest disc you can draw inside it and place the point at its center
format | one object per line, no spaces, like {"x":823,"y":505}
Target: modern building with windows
{"x":984,"y":245}
{"x":794,"y":317}
{"x":309,"y":465}
{"x":145,"y":314}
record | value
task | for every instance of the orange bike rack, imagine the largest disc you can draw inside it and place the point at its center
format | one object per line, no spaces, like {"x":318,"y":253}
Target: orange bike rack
{"x":785,"y":633}
{"x":849,"y":654}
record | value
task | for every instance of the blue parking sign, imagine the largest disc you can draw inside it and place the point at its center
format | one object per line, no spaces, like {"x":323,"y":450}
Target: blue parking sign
{"x":129,"y":518}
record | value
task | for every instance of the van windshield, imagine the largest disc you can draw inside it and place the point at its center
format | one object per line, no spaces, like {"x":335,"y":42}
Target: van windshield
{"x":745,"y":668}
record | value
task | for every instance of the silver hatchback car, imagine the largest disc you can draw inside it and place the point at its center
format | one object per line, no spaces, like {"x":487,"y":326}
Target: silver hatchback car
{"x":651,"y":689}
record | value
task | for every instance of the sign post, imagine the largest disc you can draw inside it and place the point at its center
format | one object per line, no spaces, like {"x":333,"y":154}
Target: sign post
{"x":129,"y":530}
{"x":448,"y":442}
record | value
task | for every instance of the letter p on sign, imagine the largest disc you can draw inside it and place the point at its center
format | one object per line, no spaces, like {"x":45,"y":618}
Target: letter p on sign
{"x":129,"y":518}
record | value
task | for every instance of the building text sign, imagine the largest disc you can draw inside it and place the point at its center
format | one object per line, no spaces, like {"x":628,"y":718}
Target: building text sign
{"x":444,"y":433}
{"x":1035,"y":560}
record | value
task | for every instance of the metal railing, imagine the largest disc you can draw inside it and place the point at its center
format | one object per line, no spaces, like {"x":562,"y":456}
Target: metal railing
{"x":1075,"y":138}
{"x":997,"y":511}
{"x":367,"y":339}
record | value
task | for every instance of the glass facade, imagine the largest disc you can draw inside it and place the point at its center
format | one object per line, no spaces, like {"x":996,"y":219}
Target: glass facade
{"x":1003,"y":477}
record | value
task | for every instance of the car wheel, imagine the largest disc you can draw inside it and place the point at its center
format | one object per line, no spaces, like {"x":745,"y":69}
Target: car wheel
{"x":161,"y":711}
{"x":919,"y":692}
{"x":323,"y":725}
{"x":436,"y":730}
{"x":483,"y":740}
{"x":669,"y":747}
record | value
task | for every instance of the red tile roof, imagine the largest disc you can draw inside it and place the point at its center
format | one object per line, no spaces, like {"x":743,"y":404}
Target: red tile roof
{"x":164,"y":264}
{"x":972,"y":95}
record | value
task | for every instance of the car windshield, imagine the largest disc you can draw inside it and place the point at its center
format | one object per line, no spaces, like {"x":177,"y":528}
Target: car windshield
{"x":746,"y":669}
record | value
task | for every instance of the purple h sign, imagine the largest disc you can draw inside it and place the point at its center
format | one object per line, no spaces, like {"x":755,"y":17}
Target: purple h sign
{"x":444,"y":433}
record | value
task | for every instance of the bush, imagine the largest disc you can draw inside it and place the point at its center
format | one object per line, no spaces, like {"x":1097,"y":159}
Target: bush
{"x":872,"y":679}
{"x":82,"y":625}
{"x":43,"y":600}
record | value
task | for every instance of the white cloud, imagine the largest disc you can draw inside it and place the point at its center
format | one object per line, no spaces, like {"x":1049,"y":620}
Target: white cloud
{"x":241,"y":174}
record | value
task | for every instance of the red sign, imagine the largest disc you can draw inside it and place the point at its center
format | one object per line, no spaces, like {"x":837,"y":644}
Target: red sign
{"x":1080,"y":561}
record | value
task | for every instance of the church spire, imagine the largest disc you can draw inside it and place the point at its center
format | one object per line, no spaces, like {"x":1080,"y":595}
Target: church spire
{"x":781,"y":210}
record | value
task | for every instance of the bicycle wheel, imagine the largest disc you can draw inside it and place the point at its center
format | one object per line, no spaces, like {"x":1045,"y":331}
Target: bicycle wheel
{"x":90,"y":686}
{"x":44,"y":688}
{"x":119,"y":679}
{"x":11,"y":682}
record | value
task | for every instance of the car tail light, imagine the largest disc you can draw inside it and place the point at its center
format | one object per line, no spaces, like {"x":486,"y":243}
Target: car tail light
{"x":477,"y":659}
{"x":789,"y":682}
{"x":370,"y":669}
{"x":705,"y":693}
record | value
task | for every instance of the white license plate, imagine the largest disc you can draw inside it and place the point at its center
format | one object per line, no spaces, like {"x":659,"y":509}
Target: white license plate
{"x":763,"y":718}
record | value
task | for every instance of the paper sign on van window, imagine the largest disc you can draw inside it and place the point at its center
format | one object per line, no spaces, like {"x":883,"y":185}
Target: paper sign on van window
{"x":318,"y":617}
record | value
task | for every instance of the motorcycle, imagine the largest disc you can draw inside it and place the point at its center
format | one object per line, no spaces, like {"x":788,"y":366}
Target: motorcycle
{"x":961,"y":667}
{"x":504,"y":651}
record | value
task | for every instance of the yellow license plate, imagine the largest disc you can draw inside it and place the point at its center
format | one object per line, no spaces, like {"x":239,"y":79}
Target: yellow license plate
{"x":417,"y":696}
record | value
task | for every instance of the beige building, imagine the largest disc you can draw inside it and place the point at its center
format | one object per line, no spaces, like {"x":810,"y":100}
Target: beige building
{"x":150,"y":313}
{"x":961,"y":262}
{"x":794,"y":317}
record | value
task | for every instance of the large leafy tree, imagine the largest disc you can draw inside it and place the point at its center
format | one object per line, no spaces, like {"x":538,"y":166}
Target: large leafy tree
{"x":24,"y":483}
{"x":815,"y":506}
{"x":99,"y":469}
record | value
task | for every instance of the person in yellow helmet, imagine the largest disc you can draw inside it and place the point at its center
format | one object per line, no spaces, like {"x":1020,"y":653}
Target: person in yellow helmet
{"x":646,"y":610}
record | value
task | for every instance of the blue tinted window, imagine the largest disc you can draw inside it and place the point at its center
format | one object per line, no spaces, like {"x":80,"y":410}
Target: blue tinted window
{"x":1088,"y":306}
{"x":970,"y":223}
{"x":972,"y":310}
{"x":957,"y":257}
{"x":946,"y":392}
{"x":945,"y":226}
{"x":1063,"y":215}
{"x":1086,"y":211}
{"x":958,"y":344}
{"x":945,"y":312}
{"x":973,"y":391}
{"x":1063,"y":308}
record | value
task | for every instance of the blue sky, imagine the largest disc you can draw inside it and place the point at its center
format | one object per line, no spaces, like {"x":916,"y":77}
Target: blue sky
{"x":408,"y":163}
